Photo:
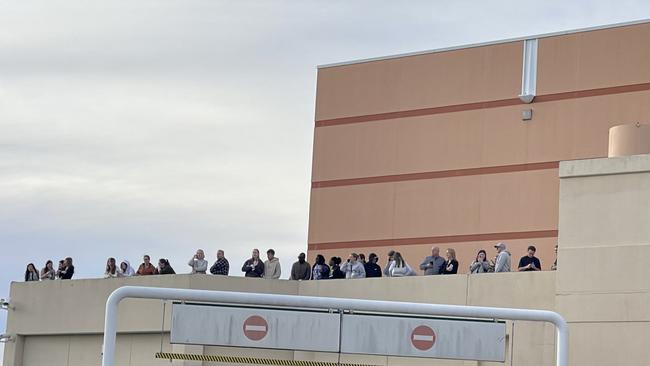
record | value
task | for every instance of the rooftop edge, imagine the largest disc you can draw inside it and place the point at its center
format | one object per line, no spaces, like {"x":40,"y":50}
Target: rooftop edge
{"x":488,"y":43}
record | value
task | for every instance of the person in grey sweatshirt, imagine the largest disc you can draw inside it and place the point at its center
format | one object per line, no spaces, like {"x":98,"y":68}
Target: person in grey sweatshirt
{"x":198,"y":262}
{"x":353,"y":268}
{"x":502,"y":262}
{"x":433,"y":264}
{"x":272,"y":268}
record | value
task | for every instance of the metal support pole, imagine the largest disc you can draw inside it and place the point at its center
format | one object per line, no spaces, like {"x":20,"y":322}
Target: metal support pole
{"x":110,"y":326}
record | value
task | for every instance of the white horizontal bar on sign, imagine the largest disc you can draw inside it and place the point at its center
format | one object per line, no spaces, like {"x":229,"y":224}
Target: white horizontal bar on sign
{"x":417,"y":337}
{"x":258,"y":328}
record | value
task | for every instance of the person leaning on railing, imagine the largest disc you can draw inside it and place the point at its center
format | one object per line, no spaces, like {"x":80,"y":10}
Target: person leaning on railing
{"x":164,"y":267}
{"x":146,"y":268}
{"x":111,"y":268}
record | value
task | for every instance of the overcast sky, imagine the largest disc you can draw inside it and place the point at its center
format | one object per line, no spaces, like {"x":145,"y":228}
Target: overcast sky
{"x":131,"y":127}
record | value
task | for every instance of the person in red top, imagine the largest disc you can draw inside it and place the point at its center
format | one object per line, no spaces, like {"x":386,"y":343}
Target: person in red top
{"x":147,"y":268}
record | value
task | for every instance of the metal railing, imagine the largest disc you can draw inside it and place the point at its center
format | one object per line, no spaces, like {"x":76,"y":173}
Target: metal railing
{"x":110,"y":326}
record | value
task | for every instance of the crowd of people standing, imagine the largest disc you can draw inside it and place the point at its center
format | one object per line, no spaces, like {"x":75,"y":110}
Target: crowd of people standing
{"x":356,"y":266}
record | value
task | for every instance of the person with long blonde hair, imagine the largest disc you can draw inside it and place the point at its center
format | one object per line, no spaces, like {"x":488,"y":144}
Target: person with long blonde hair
{"x":451,"y":265}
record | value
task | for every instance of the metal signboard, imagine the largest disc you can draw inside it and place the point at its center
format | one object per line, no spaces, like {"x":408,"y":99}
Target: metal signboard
{"x":415,"y":337}
{"x":258,"y":328}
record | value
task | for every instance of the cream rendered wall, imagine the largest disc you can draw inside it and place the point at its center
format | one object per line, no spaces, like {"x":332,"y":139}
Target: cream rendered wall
{"x":603,"y":285}
{"x":77,"y":340}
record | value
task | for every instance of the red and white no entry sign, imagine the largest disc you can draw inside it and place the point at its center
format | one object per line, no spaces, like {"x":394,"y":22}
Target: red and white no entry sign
{"x":423,"y":338}
{"x":255,"y":328}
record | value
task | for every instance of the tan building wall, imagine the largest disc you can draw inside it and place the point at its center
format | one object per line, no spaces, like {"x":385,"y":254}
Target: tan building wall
{"x":431,"y":149}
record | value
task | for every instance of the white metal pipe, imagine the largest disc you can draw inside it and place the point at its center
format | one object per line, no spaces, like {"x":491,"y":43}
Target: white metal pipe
{"x":110,"y":326}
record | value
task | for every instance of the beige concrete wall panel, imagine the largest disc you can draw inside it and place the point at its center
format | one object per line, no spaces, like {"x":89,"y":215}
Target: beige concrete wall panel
{"x":465,"y":252}
{"x":604,"y":307}
{"x":609,"y":344}
{"x":41,"y":351}
{"x":87,"y":350}
{"x":560,"y":130}
{"x":530,"y":290}
{"x":605,"y":210}
{"x":452,"y":289}
{"x":351,"y":213}
{"x":136,"y":315}
{"x":614,"y":269}
{"x":534,"y":344}
{"x":424,"y":81}
{"x":230,"y":283}
{"x":597,"y":59}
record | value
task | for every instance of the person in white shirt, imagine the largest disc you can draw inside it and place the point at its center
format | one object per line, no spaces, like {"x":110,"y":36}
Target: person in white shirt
{"x":198,"y":263}
{"x":353,"y":268}
{"x":399,"y":268}
{"x":125,"y":269}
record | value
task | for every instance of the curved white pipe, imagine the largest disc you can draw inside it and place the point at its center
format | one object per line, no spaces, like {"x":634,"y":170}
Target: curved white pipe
{"x":110,"y":326}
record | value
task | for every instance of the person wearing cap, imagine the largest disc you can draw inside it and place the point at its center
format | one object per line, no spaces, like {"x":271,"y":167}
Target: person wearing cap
{"x":502,"y":263}
{"x":529,"y":262}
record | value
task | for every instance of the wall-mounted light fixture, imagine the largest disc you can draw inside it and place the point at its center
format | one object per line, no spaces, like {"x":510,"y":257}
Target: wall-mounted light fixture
{"x":4,"y":338}
{"x":5,"y":304}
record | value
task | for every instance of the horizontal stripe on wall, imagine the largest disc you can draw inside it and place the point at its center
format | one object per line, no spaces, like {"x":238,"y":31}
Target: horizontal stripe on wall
{"x":434,"y":240}
{"x":436,"y":174}
{"x":483,"y":105}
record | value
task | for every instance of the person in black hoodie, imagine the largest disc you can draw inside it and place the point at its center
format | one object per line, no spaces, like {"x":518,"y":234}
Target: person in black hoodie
{"x":371,"y":266}
{"x":164,"y":267}
{"x":335,"y":268}
{"x":253,"y":267}
{"x":451,"y":265}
